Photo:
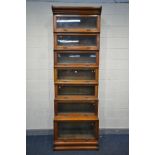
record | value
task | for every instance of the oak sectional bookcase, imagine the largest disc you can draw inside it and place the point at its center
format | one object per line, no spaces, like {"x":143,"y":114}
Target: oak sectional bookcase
{"x":76,"y":67}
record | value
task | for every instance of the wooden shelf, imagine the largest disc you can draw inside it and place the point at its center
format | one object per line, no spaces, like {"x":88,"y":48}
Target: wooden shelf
{"x":75,"y":118}
{"x":76,"y":66}
{"x":77,"y":82}
{"x":76,"y":98}
{"x":71,"y":100}
{"x":80,"y":147}
{"x":77,"y":142}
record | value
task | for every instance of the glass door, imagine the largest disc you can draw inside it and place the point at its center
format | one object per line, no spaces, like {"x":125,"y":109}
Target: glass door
{"x":77,"y":130}
{"x":65,"y":41}
{"x":76,"y":74}
{"x":76,"y":57}
{"x":76,"y":23}
{"x":76,"y":90}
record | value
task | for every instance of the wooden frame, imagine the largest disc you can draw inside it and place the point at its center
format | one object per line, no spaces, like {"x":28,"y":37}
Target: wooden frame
{"x":76,"y":96}
{"x":73,"y":10}
{"x":76,"y":144}
{"x":65,"y":81}
{"x":73,"y":53}
{"x":57,"y":47}
{"x":82,"y":120}
{"x":97,"y":29}
{"x":77,"y":64}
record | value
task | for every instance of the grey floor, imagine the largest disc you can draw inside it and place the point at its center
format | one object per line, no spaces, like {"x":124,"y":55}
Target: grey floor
{"x":110,"y":144}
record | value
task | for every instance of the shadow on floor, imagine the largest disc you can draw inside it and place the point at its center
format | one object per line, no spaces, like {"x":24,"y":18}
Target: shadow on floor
{"x":109,"y":145}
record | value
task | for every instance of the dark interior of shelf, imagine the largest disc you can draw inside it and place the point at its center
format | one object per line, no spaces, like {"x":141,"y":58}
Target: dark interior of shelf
{"x":76,"y":130}
{"x":83,"y":108}
{"x":76,"y":90}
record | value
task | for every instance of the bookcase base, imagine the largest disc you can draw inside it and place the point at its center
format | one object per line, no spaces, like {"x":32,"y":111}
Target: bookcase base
{"x":76,"y":145}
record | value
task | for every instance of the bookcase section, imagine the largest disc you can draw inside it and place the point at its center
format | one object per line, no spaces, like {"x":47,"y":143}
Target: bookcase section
{"x":76,"y":69}
{"x":75,"y":58}
{"x":76,"y":23}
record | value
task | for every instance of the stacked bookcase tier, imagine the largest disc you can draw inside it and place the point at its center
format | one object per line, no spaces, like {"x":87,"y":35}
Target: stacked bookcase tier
{"x":69,"y":107}
{"x":76,"y":67}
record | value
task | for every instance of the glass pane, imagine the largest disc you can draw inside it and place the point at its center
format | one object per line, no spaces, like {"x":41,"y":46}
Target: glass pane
{"x":67,"y":108}
{"x":76,"y":40}
{"x":77,"y":58}
{"x":76,"y":90}
{"x":76,"y":130}
{"x":76,"y":22}
{"x":73,"y":74}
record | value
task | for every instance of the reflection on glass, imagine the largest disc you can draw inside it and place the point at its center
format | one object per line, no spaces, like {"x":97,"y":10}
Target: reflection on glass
{"x":68,"y":41}
{"x":76,"y":130}
{"x":79,"y":74}
{"x":68,"y":20}
{"x":75,"y":40}
{"x":93,"y":56}
{"x":76,"y":90}
{"x":76,"y":58}
{"x":76,"y":22}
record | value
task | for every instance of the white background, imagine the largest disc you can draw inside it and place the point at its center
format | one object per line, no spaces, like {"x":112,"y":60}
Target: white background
{"x":13,"y":77}
{"x":113,"y":66}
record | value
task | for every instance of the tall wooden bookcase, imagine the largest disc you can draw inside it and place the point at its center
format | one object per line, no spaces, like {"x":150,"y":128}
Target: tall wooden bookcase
{"x":76,"y":69}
